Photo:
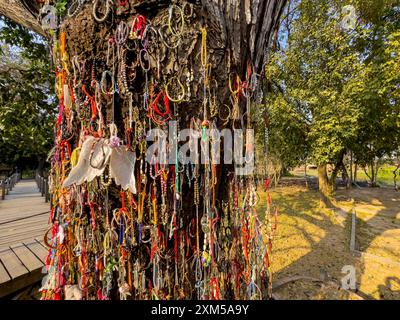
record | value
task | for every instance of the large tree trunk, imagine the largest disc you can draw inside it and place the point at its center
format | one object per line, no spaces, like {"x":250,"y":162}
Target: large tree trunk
{"x":324,"y":185}
{"x":323,"y":180}
{"x":339,"y":165}
{"x":395,"y":174}
{"x":355,"y":172}
{"x":373,"y":178}
{"x":377,"y":167}
{"x":104,"y":254}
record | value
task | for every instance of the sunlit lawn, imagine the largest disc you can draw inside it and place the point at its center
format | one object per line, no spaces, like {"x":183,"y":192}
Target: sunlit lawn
{"x":385,"y":174}
{"x":311,"y":239}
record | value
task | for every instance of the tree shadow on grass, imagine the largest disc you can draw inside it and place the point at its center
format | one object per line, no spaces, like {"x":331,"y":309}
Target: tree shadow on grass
{"x":378,"y":235}
{"x":326,"y":234}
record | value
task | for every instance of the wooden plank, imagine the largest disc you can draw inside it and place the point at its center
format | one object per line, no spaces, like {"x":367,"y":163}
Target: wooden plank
{"x":13,"y":265}
{"x":21,"y":239}
{"x":21,"y":282}
{"x":16,"y":219}
{"x":4,"y":276}
{"x":41,"y":241}
{"x":26,"y":232}
{"x":25,"y":229}
{"x":18,"y":238}
{"x":37,"y":249}
{"x":30,"y":261}
{"x":21,"y":277}
{"x":36,"y":230}
{"x":22,"y":218}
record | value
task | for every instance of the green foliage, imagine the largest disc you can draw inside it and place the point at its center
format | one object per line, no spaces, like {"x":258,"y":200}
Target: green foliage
{"x":27,"y":104}
{"x":61,"y":7}
{"x":332,"y":90}
{"x":30,"y":45}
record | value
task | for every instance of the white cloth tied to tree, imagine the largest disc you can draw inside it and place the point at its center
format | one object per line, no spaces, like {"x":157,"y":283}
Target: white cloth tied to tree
{"x":72,"y":292}
{"x":122,"y":168}
{"x":95,"y":155}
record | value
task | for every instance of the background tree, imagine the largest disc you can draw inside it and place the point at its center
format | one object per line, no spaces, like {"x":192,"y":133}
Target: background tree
{"x":377,"y":87}
{"x":328,"y":89}
{"x":27,"y":104}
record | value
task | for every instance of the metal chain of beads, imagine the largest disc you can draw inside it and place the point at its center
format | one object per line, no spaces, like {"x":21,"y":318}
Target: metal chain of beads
{"x":196,"y":192}
{"x":122,"y":74}
{"x":73,"y":11}
{"x":86,"y":102}
{"x":75,"y":91}
{"x":76,"y":86}
{"x":122,"y":33}
{"x":163,"y":186}
{"x":108,"y":9}
{"x":164,"y":210}
{"x":102,"y":180}
{"x":113,"y":87}
{"x":266,"y":140}
{"x":189,"y":80}
{"x":93,"y":75}
{"x":152,"y":172}
{"x":162,"y":37}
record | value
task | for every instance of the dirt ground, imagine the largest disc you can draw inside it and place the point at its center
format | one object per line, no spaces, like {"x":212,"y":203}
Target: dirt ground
{"x":314,"y":241}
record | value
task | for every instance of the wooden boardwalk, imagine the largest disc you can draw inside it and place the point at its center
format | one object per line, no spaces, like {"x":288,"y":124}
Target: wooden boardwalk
{"x":23,"y":222}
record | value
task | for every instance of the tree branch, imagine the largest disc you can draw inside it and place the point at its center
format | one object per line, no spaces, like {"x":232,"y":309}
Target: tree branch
{"x":17,"y":11}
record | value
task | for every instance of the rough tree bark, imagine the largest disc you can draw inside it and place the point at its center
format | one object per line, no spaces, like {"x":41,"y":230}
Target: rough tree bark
{"x":324,"y":186}
{"x":22,"y":12}
{"x":355,"y":172}
{"x":246,"y":26}
{"x":238,"y":32}
{"x":339,"y":165}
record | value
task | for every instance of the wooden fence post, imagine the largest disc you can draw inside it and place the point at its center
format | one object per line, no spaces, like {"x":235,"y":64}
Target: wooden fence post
{"x":8,"y":185}
{"x":46,"y":190}
{"x":42,"y":186}
{"x":3,"y":189}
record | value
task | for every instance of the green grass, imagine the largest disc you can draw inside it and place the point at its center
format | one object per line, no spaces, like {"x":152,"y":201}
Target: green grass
{"x":293,"y":201}
{"x":28,"y":174}
{"x":385,"y":174}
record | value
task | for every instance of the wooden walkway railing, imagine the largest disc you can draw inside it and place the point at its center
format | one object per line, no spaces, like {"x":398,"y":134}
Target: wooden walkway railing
{"x":6,"y":185}
{"x":43,"y":185}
